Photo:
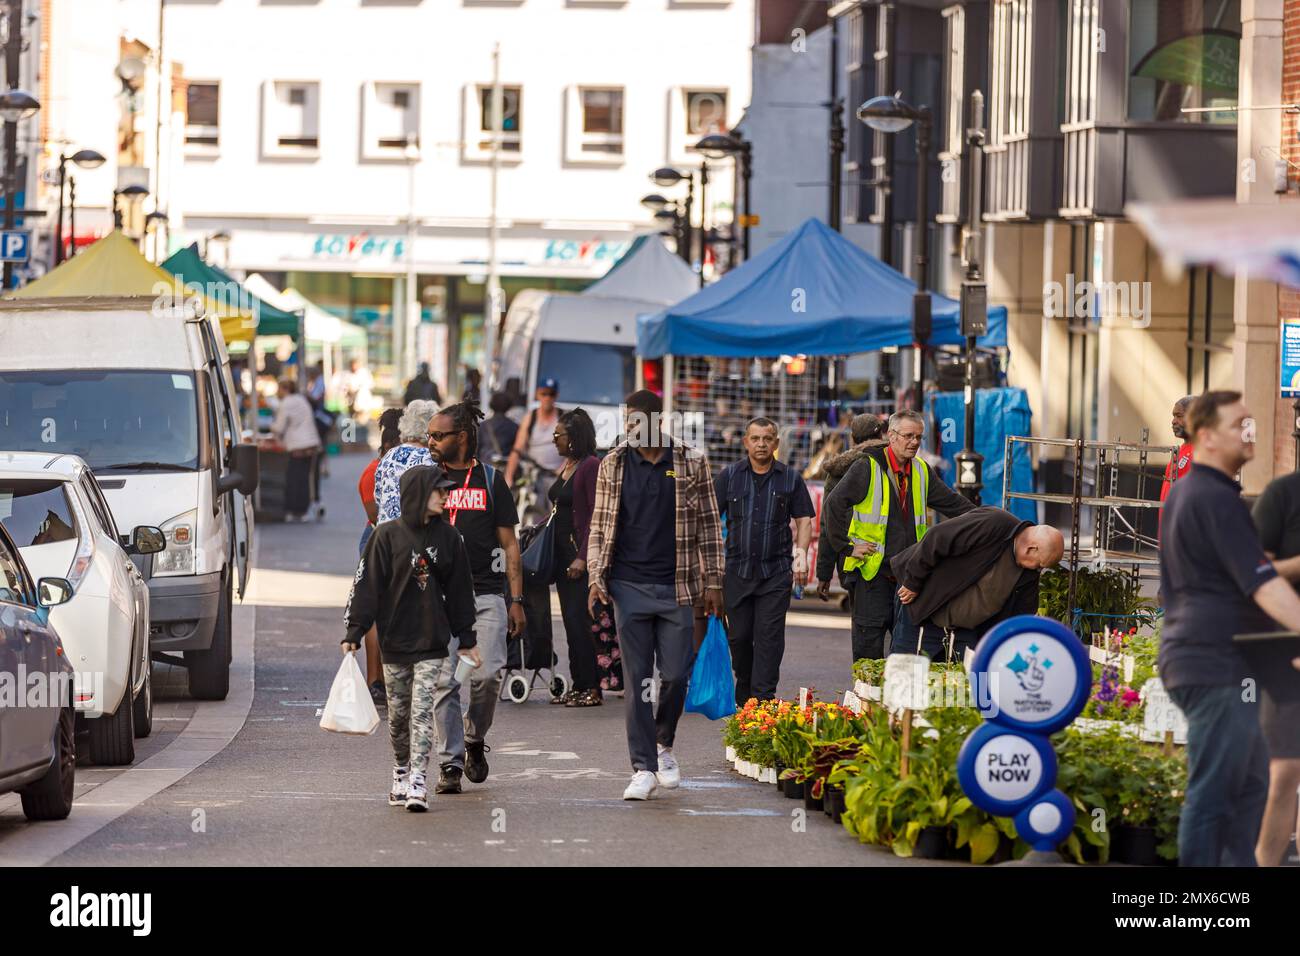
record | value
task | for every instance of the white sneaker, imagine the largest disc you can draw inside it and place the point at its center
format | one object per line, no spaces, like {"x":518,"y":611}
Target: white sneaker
{"x":642,"y":786}
{"x":417,"y":797}
{"x":669,"y":775}
{"x":401,"y":785}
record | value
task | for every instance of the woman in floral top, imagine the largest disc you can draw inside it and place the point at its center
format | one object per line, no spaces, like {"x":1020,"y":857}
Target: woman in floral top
{"x":413,"y":429}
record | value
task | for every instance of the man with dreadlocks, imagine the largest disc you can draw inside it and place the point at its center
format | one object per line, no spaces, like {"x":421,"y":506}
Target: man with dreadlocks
{"x":481,"y":508}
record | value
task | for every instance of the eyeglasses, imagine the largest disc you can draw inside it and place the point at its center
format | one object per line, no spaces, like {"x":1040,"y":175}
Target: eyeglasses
{"x":546,"y":394}
{"x":908,"y":438}
{"x":560,"y":434}
{"x":439,"y":436}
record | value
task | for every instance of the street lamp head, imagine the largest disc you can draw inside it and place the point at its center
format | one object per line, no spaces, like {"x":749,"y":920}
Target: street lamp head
{"x":220,"y":236}
{"x":87,"y":158}
{"x":654,"y":201}
{"x":718,"y":146}
{"x":18,"y":105}
{"x":666,"y":215}
{"x":887,"y":114}
{"x":132,"y":192}
{"x":666,"y":176}
{"x":157,"y":216}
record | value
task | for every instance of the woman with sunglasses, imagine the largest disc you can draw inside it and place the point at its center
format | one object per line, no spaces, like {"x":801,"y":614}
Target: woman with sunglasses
{"x":573,"y":495}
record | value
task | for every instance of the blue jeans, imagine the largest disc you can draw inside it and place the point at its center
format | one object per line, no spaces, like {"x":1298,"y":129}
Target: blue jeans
{"x":1227,"y":777}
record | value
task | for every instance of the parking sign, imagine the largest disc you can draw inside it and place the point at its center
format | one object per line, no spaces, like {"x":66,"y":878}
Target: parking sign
{"x":15,"y":245}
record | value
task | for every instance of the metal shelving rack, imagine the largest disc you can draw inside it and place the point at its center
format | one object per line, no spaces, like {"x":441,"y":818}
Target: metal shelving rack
{"x":1117,"y":539}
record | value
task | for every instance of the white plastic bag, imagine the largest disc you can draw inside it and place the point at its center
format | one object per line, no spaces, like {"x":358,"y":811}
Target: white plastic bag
{"x":349,"y":709}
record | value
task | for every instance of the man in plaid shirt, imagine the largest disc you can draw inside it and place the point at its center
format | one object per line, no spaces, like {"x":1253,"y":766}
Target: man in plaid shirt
{"x":655,"y":550}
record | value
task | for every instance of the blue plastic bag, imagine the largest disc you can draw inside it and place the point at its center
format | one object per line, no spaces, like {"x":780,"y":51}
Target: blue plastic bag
{"x":712,"y":691}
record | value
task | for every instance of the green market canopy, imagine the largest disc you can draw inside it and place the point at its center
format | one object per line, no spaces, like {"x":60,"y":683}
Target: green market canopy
{"x":188,"y":267}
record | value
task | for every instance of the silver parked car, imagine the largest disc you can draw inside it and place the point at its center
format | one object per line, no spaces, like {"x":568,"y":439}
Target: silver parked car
{"x":38,"y":747}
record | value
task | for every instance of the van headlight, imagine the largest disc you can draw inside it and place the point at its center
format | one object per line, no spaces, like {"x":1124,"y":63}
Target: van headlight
{"x":178,"y":556}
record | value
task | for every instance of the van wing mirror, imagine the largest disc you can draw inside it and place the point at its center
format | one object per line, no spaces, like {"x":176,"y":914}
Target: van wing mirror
{"x":243,"y":475}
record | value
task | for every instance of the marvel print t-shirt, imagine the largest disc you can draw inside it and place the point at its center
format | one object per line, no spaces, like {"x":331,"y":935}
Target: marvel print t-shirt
{"x":476,"y":515}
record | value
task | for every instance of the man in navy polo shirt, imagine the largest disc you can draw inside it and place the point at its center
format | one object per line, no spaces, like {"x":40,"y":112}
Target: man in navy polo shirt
{"x":758,"y":496}
{"x":1217,"y":581}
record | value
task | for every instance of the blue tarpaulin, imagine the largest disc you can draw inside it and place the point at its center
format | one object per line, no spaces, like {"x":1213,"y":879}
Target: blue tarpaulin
{"x":999,"y":412}
{"x":813,"y":293}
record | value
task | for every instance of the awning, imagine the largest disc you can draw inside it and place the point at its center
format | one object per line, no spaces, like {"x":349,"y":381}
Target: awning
{"x":813,"y":293}
{"x":1259,"y":241}
{"x":113,"y":266}
{"x":188,"y":266}
{"x":320,"y":325}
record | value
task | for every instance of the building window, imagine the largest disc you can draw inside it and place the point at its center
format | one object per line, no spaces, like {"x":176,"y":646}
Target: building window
{"x":202,"y":126}
{"x":594,"y":125}
{"x":706,"y":112}
{"x":695,"y":113}
{"x":1183,"y":55}
{"x":954,"y":80}
{"x":511,"y":124}
{"x":291,"y":119}
{"x":391,"y":119}
{"x":1209,"y":331}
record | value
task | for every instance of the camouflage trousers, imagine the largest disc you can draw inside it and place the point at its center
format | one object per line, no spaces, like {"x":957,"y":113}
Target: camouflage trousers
{"x":410,"y":712}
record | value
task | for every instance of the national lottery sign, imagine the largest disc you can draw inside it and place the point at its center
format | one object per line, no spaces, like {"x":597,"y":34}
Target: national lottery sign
{"x":1037,"y":676}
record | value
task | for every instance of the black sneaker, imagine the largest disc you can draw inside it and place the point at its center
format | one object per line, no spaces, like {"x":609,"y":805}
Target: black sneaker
{"x":448,"y":780}
{"x":476,"y":765}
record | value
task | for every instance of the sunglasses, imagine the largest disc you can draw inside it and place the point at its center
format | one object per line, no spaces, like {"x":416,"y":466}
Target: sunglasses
{"x":439,"y":436}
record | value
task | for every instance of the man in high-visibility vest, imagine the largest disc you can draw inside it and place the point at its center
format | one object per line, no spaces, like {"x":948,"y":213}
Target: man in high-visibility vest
{"x":878,"y":509}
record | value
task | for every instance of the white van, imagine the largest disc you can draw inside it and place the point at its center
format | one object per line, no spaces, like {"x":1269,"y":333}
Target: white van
{"x":143,"y":393}
{"x":588,"y":345}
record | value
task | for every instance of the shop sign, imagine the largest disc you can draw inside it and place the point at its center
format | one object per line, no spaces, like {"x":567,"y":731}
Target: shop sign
{"x":571,"y":250}
{"x":1289,"y":356}
{"x":360,"y":245}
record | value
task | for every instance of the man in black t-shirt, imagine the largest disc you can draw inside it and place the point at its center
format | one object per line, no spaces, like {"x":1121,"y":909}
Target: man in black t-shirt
{"x":481,"y":509}
{"x":1217,"y":581}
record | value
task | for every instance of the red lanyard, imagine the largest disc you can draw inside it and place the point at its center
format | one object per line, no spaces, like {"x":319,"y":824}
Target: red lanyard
{"x":468,"y":476}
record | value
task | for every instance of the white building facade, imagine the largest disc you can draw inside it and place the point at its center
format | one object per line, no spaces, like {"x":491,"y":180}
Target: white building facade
{"x":289,"y":122}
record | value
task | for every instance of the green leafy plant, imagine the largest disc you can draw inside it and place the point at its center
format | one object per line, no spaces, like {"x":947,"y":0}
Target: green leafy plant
{"x":1107,"y":597}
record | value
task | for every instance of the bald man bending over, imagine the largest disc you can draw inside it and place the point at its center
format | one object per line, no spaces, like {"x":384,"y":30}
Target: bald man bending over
{"x":970,"y":572}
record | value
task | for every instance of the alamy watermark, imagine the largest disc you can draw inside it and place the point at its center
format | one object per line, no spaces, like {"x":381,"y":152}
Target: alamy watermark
{"x":1095,"y":300}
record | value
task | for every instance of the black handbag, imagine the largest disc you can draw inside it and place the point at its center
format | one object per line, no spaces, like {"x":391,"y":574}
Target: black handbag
{"x":539,"y":556}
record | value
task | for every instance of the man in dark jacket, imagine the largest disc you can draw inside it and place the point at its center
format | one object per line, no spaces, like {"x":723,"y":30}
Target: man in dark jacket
{"x":971,"y":572}
{"x":879,"y":509}
{"x":415,"y":622}
{"x":422,"y":386}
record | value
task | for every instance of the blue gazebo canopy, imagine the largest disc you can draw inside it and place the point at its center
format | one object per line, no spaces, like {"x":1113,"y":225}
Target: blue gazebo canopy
{"x":813,"y":293}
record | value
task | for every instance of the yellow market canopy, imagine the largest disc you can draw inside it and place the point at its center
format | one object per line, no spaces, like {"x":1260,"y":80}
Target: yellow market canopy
{"x":113,"y":266}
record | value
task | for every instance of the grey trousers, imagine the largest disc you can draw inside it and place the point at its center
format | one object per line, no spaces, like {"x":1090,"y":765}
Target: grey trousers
{"x":456,"y":725}
{"x":652,"y":627}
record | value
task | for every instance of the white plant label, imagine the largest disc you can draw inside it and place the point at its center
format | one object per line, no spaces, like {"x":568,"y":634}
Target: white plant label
{"x":906,"y":680}
{"x":803,"y":697}
{"x":1160,"y":713}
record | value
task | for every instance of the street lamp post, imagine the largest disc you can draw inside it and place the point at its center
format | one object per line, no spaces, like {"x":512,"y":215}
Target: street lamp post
{"x":721,"y":145}
{"x":72,"y":216}
{"x":132,"y":193}
{"x":155,"y":223}
{"x":974,"y":303}
{"x":891,"y":114}
{"x":86,"y":159}
{"x":667,"y":176}
{"x":15,"y":105}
